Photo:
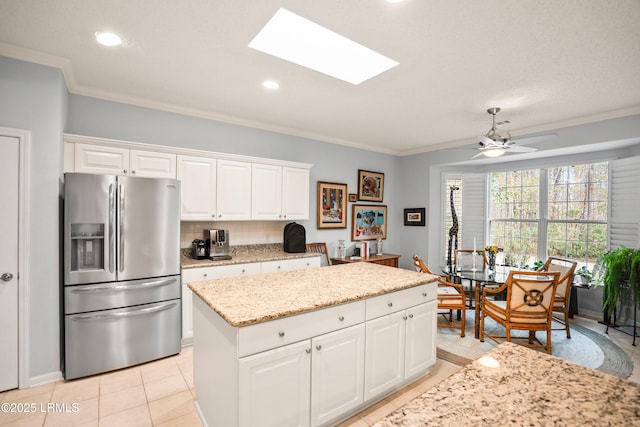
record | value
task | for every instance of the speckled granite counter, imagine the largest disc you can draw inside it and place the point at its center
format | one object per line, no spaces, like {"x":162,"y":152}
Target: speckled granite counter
{"x":246,"y":300}
{"x":245,"y":254}
{"x":527,"y":388}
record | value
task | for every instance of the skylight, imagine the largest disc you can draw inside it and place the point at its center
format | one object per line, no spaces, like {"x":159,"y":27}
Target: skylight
{"x":298,"y":40}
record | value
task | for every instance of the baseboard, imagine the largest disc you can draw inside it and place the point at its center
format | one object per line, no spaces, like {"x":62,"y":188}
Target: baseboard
{"x":45,"y":379}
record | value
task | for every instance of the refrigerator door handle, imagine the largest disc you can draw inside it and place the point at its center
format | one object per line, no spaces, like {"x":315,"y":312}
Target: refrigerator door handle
{"x":94,"y":288}
{"x":112,"y":227}
{"x":140,"y":312}
{"x":121,"y":226}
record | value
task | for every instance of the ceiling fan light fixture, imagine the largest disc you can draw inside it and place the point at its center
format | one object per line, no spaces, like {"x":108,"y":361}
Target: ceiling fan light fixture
{"x":494,"y":151}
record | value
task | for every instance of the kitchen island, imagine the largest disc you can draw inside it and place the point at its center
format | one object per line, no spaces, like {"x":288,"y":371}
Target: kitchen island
{"x":289,"y":348}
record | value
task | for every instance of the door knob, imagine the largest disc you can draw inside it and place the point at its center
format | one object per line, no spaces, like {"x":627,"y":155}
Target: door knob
{"x":7,"y":277}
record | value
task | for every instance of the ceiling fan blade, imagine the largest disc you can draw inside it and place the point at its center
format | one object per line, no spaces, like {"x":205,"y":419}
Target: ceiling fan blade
{"x":534,"y":139}
{"x":521,"y":149}
{"x":486,"y":141}
{"x":477,"y":155}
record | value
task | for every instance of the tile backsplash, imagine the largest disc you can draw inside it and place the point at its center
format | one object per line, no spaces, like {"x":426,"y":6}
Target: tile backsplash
{"x":240,"y":232}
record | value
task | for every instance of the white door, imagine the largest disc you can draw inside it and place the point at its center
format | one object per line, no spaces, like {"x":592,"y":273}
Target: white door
{"x":101,"y":159}
{"x":337,"y":373}
{"x":384,"y":365}
{"x":233,"y":190}
{"x":266,"y":192}
{"x":198,"y":188}
{"x":295,"y":193}
{"x":420,"y":340}
{"x":275,"y":387}
{"x":9,"y":161}
{"x":152,"y":164}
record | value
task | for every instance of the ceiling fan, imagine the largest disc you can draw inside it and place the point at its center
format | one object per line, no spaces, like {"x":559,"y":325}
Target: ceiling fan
{"x":497,"y":142}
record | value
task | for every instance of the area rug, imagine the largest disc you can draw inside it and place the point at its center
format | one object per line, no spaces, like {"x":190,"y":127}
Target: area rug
{"x":586,"y":347}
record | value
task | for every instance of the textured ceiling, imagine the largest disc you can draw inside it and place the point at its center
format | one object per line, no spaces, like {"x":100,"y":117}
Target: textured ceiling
{"x":547,"y":63}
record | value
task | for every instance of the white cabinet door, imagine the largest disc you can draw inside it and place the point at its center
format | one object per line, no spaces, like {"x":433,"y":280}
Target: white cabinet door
{"x":233,"y":190}
{"x":420,"y":338}
{"x":198,"y":188}
{"x":151,"y":164}
{"x":274,"y":387}
{"x":266,"y":192}
{"x":101,"y":159}
{"x":337,"y":373}
{"x":384,"y":366}
{"x":295,"y":193}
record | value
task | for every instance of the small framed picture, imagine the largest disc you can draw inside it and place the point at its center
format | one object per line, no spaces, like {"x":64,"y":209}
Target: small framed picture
{"x":332,"y":205}
{"x":353,"y":197}
{"x":368,"y":222}
{"x":370,"y":186}
{"x":414,"y":216}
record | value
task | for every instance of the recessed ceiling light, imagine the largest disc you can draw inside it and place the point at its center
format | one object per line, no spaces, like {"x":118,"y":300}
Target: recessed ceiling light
{"x":108,"y":39}
{"x":270,"y":84}
{"x":298,"y":40}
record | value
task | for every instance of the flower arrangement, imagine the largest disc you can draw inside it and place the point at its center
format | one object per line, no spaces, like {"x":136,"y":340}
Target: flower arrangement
{"x":584,"y":274}
{"x":492,"y":252}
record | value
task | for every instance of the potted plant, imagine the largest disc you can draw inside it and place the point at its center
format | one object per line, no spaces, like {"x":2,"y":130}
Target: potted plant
{"x":620,"y":275}
{"x":584,"y":275}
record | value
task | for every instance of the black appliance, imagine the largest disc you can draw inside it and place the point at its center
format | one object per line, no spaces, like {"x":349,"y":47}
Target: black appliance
{"x":294,"y":238}
{"x":198,"y":249}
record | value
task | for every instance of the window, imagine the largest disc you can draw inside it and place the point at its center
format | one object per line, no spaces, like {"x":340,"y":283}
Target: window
{"x":514,"y":215}
{"x":561,"y":211}
{"x":577,"y":212}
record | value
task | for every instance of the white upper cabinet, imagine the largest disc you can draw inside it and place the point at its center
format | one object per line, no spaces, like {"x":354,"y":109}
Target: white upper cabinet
{"x":266,"y":192}
{"x":295,"y":193}
{"x":233,"y":191}
{"x":198,"y":188}
{"x":100,"y":159}
{"x":152,"y":164}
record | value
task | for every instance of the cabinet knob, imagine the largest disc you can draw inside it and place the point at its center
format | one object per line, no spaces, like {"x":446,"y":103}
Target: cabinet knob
{"x":404,"y":317}
{"x":205,"y":274}
{"x":220,"y":216}
{"x":133,"y":172}
{"x":281,"y":334}
{"x":390,"y":304}
{"x":341,"y":318}
{"x":243,"y":271}
{"x":125,"y":171}
{"x":411,"y":316}
{"x":307,"y":350}
{"x":213,"y":215}
{"x":424,"y":294}
{"x":318,"y":347}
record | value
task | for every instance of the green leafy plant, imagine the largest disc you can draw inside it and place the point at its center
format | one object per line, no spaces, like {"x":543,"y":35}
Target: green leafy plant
{"x":620,"y":275}
{"x":585,"y":274}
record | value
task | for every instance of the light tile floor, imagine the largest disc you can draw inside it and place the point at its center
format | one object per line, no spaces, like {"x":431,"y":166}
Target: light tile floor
{"x":162,"y":393}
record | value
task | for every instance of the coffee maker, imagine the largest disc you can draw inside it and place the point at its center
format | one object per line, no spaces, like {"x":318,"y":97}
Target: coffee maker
{"x":217,"y":243}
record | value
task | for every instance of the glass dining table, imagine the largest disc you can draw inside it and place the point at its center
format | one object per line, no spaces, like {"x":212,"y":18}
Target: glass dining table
{"x":478,"y":279}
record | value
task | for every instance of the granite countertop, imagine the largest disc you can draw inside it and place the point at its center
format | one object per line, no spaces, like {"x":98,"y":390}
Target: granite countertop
{"x":246,"y":300}
{"x":244,"y":254}
{"x":527,"y":388}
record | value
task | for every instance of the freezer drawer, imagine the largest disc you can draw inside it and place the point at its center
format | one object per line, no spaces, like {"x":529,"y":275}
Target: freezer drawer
{"x":113,"y":339}
{"x":105,"y":296}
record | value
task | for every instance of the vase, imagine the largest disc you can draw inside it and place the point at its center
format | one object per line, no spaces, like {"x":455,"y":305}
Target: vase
{"x":492,"y":261}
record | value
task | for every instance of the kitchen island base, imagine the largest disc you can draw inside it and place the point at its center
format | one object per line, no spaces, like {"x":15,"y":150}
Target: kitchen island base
{"x":315,"y":368}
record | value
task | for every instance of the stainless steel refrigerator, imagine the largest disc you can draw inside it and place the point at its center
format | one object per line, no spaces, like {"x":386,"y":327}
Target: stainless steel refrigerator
{"x":122,"y":272}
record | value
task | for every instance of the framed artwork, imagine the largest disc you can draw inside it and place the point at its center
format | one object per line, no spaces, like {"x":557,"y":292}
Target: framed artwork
{"x":368,"y":222}
{"x":370,"y":185}
{"x":353,"y":197}
{"x":332,"y":205}
{"x":414,"y":216}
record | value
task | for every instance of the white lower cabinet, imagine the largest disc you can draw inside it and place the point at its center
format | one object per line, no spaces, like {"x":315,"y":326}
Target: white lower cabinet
{"x":275,"y":387}
{"x":314,"y":368}
{"x":290,"y":264}
{"x":337,"y":373}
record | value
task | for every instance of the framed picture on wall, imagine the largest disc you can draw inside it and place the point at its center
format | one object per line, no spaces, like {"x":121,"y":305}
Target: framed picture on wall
{"x":370,"y":186}
{"x":414,"y":216}
{"x":332,"y":205}
{"x":368,"y":222}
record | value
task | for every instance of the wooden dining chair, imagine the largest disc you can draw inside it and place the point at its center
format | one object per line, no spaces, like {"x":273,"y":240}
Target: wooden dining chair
{"x":528,"y":306}
{"x":566,"y":268}
{"x":450,"y":297}
{"x":319,"y":248}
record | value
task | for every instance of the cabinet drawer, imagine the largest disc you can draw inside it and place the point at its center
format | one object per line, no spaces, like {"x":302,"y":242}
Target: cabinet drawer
{"x":211,"y":273}
{"x":400,"y":300}
{"x":290,"y":264}
{"x":275,"y":333}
